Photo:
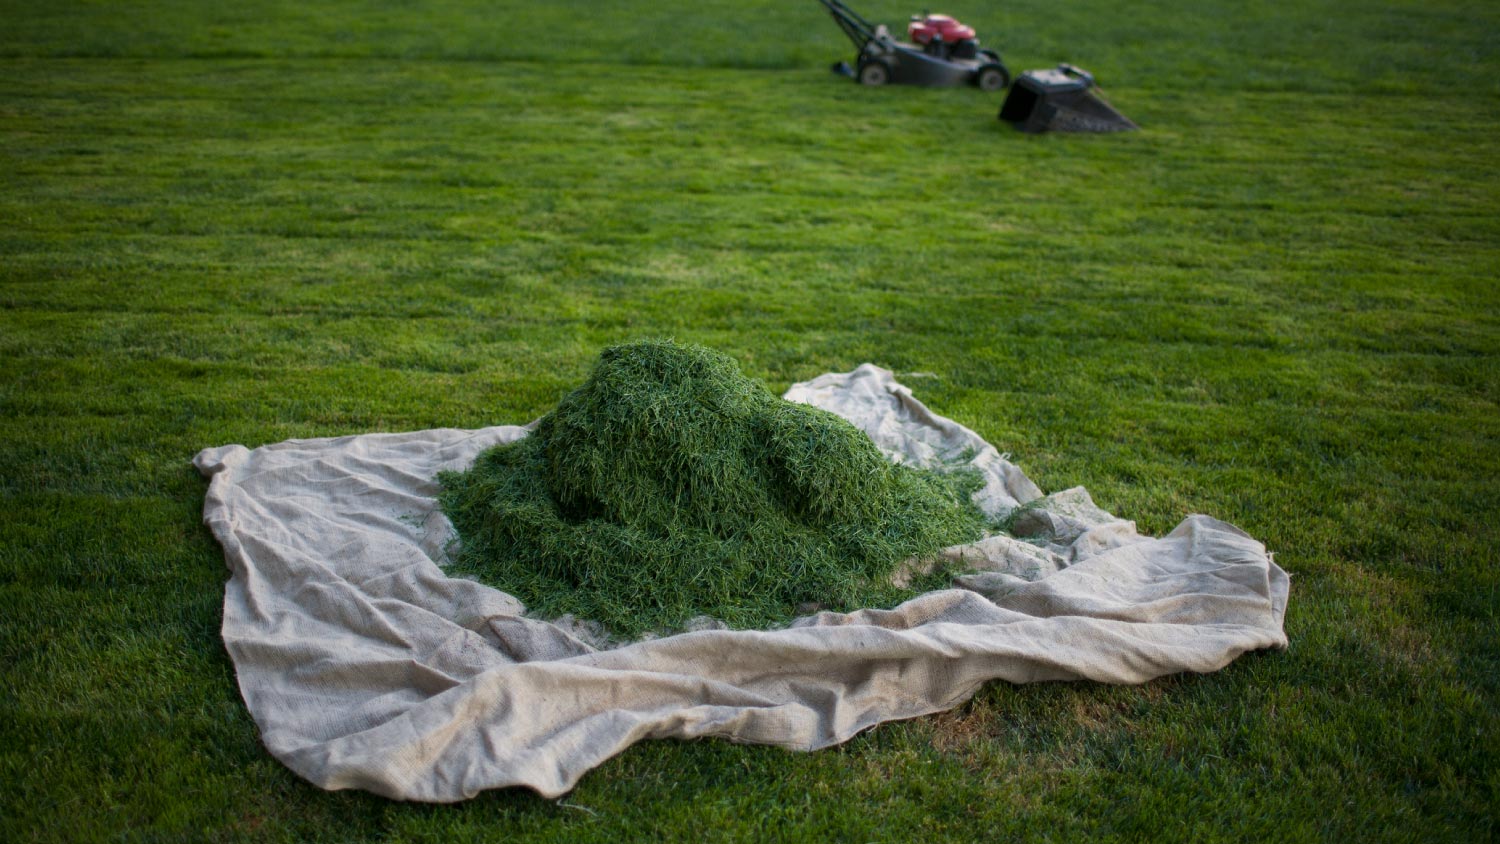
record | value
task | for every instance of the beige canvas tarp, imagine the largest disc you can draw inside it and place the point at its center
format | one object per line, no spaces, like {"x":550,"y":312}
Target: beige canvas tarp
{"x":366,"y":666}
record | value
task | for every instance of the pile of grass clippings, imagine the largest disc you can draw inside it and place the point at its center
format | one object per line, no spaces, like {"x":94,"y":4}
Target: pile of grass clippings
{"x":670,"y":486}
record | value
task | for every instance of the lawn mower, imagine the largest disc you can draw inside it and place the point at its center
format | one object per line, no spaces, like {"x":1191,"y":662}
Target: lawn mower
{"x":942,"y":52}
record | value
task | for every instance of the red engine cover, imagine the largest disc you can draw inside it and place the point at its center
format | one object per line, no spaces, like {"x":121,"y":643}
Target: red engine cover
{"x":940,"y":27}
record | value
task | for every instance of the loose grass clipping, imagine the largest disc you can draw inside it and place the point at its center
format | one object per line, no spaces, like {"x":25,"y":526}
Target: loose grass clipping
{"x":671,"y":486}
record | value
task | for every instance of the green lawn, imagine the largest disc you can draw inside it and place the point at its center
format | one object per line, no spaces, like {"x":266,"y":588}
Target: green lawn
{"x":1277,"y":304}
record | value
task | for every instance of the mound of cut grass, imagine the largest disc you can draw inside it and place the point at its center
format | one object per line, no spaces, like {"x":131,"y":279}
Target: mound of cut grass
{"x":669,"y":486}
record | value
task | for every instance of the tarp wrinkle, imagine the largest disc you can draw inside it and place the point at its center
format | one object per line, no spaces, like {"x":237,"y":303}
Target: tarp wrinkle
{"x":366,"y":666}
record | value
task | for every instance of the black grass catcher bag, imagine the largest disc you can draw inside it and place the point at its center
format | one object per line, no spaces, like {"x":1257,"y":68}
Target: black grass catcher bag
{"x":1063,"y":99}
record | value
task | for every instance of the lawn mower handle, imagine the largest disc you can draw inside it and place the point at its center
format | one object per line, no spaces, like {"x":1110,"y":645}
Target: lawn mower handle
{"x":859,"y":31}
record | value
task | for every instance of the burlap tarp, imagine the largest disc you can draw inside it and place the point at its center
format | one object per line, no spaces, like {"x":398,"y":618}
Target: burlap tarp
{"x":366,"y":666}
